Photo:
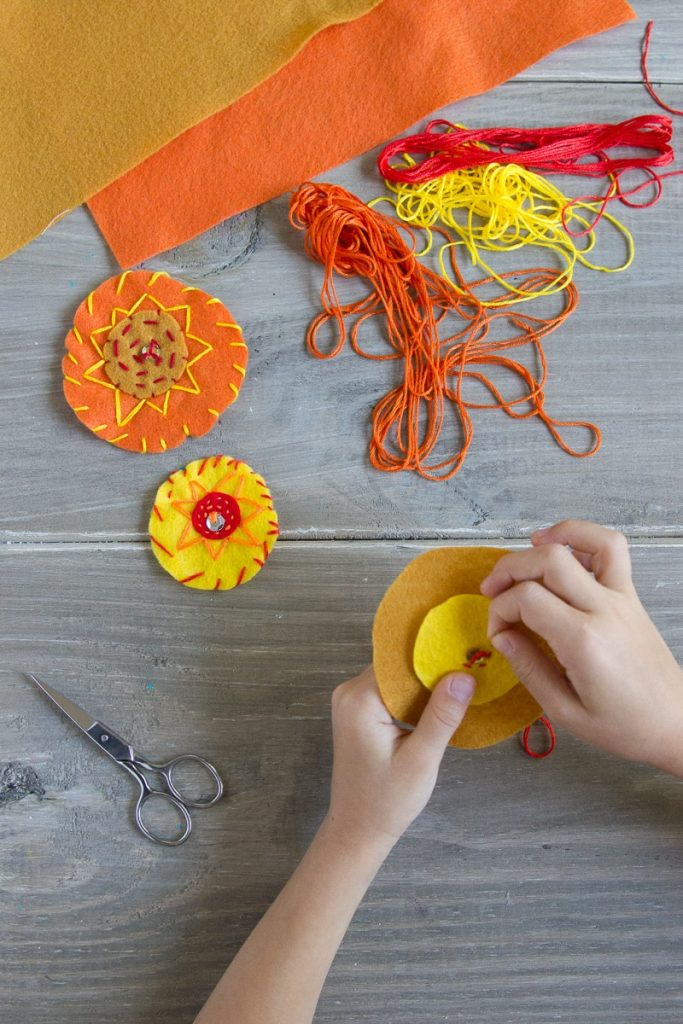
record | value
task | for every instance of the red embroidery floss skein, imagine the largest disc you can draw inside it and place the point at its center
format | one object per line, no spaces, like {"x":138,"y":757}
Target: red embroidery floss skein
{"x":351,"y":240}
{"x":580,"y":149}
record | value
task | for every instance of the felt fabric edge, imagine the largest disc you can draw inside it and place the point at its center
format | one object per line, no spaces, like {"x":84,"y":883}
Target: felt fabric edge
{"x":128,"y":254}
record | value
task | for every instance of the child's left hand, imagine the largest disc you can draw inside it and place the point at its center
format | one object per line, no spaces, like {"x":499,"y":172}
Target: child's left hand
{"x":382,"y":776}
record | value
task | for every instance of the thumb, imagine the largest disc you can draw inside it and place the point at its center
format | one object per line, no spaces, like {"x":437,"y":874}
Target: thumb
{"x":543,"y":678}
{"x":444,"y":713}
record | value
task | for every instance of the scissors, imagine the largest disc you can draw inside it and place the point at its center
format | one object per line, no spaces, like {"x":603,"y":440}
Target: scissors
{"x":124,"y":755}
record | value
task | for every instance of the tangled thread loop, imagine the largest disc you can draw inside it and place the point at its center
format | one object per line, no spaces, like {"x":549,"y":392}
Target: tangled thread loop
{"x":351,"y":240}
{"x":498,"y":208}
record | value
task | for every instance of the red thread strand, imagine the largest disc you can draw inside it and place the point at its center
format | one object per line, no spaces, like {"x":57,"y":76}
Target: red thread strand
{"x":568,"y":149}
{"x":646,"y":77}
{"x":194,"y":576}
{"x":349,"y":239}
{"x":551,"y":741}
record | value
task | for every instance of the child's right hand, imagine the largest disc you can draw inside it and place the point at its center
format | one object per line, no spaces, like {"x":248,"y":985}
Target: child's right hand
{"x":620,"y":687}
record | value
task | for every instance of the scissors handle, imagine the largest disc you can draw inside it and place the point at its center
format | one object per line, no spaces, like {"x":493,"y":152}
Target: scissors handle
{"x":185,"y":823}
{"x":138,"y":767}
{"x":166,"y":771}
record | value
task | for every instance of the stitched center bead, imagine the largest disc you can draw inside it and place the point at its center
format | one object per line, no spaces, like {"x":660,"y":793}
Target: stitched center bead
{"x":477,"y":656}
{"x":145,"y":354}
{"x":216,"y":515}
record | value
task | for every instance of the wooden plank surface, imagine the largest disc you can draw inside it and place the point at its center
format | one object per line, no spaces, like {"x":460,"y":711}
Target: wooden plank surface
{"x":526,"y":892}
{"x":304,"y":424}
{"x":615,"y":55}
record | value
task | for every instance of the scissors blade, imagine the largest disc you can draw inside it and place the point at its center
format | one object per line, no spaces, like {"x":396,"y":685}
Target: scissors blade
{"x":77,"y":715}
{"x":104,"y":737}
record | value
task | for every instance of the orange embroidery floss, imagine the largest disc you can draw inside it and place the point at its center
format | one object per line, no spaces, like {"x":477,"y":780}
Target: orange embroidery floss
{"x":351,"y":240}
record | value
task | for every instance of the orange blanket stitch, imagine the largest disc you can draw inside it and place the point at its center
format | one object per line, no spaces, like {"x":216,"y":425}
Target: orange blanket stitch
{"x":350,"y":88}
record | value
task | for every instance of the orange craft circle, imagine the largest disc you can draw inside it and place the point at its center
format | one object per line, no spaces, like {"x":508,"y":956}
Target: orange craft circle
{"x":428,"y":581}
{"x":191,"y":361}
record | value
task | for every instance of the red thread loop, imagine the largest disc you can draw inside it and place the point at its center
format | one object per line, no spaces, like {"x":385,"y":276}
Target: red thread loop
{"x":579,"y":149}
{"x":550,"y":741}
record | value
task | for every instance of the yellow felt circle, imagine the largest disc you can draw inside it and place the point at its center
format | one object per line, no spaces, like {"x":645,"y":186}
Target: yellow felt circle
{"x":452,"y":638}
{"x":213,"y":524}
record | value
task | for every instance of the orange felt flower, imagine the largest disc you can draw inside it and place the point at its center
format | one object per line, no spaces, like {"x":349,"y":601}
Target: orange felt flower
{"x":151,"y":361}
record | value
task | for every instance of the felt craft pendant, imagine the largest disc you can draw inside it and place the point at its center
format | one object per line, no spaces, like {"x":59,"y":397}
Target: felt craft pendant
{"x":151,"y":361}
{"x":213,"y":524}
{"x":432,"y":621}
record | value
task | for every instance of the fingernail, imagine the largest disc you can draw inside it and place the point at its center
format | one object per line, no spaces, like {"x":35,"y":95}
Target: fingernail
{"x":484,"y":584}
{"x":503,"y":643}
{"x":542,"y":532}
{"x":461,"y":687}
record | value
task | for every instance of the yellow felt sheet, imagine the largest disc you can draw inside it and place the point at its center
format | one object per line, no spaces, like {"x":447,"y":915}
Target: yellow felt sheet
{"x":88,"y":89}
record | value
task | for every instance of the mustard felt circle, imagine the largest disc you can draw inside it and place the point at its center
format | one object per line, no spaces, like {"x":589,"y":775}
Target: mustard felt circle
{"x":452,"y":638}
{"x":430,"y":579}
{"x":145,"y":354}
{"x":213,"y":524}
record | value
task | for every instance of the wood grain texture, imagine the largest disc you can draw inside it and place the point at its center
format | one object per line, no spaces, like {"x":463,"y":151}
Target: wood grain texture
{"x":526,"y":892}
{"x":304,"y":424}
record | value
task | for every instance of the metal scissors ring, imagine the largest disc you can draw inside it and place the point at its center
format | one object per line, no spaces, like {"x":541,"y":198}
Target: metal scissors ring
{"x":138,"y":767}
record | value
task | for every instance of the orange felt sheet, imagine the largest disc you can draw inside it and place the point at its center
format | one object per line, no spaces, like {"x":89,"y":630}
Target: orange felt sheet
{"x":350,"y":88}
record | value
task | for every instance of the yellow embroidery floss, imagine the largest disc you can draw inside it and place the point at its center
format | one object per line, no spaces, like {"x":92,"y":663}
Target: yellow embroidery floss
{"x":498,"y":208}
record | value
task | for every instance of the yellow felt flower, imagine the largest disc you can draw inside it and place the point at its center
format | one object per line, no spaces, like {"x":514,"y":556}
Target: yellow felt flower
{"x":213,"y":524}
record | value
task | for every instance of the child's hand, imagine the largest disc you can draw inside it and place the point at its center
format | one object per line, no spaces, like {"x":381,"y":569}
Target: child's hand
{"x":382,"y":776}
{"x":621,"y":688}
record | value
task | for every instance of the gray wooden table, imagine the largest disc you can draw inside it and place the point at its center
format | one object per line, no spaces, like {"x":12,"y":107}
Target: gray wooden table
{"x":527,"y":891}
